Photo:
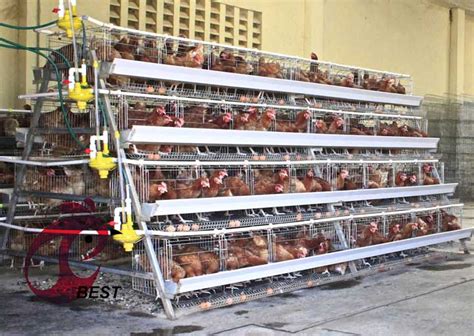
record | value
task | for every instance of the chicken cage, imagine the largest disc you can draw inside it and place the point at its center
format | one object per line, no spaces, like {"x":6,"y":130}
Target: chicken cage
{"x":198,"y":180}
{"x":48,"y":245}
{"x":68,"y":180}
{"x":213,"y":253}
{"x":53,"y":117}
{"x":112,"y":42}
{"x":198,"y":255}
{"x":204,"y":113}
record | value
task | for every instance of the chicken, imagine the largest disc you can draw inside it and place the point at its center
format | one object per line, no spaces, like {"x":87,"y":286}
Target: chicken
{"x":237,"y":186}
{"x":375,"y":178}
{"x":321,"y":77}
{"x":387,"y":84}
{"x":266,"y":120}
{"x":159,"y":117}
{"x":196,"y":116}
{"x":389,"y":130}
{"x":409,"y":230}
{"x":430,"y":222}
{"x":449,"y":222}
{"x":280,"y":253}
{"x":428,"y":178}
{"x":75,"y":180}
{"x":265,"y":188}
{"x":227,"y":62}
{"x":188,"y":259}
{"x":401,"y":179}
{"x":400,"y":88}
{"x":370,"y":82}
{"x":128,"y":44}
{"x":412,"y":180}
{"x":7,"y":175}
{"x":293,"y":185}
{"x":343,"y":182}
{"x":241,"y":120}
{"x":311,"y":243}
{"x":320,"y":126}
{"x":301,"y":75}
{"x":210,"y":262}
{"x":156,"y":191}
{"x":193,"y":57}
{"x":348,"y":81}
{"x":220,"y":122}
{"x":247,"y":252}
{"x":423,"y":228}
{"x":370,"y":236}
{"x":323,"y":248}
{"x":310,"y":183}
{"x":300,"y":125}
{"x":408,"y":131}
{"x":194,"y":190}
{"x":269,"y":69}
{"x":394,"y":232}
{"x":324,"y":184}
{"x":176,"y":272}
{"x":9,"y":126}
{"x":215,"y":183}
{"x":336,"y":126}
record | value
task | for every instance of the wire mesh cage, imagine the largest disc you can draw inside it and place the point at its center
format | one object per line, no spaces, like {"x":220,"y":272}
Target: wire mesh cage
{"x":114,"y":42}
{"x":450,"y":219}
{"x":69,"y":180}
{"x":348,"y":176}
{"x":53,"y":117}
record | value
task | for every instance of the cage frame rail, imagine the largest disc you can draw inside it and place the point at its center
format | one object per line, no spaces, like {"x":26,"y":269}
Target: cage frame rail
{"x":290,"y":266}
{"x":202,"y":205}
{"x":214,"y":137}
{"x":131,"y":68}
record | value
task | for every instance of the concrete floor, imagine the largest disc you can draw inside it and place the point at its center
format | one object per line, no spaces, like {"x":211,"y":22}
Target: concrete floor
{"x":427,"y":299}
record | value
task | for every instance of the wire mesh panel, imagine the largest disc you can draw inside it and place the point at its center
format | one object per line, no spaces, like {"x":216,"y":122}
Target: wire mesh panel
{"x":432,"y":173}
{"x":69,"y":180}
{"x":368,"y":231}
{"x":54,"y":117}
{"x":406,"y":174}
{"x":401,"y":127}
{"x":116,"y":43}
{"x":362,"y":125}
{"x":348,"y":176}
{"x":378,"y":175}
{"x":20,"y":241}
{"x":450,"y":219}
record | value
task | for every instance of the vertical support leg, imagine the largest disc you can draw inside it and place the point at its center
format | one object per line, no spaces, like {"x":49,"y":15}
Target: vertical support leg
{"x":149,"y":248}
{"x":20,"y":173}
{"x":342,"y":238}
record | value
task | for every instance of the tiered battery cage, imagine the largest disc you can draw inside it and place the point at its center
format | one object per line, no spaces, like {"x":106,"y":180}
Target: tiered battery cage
{"x":247,"y":173}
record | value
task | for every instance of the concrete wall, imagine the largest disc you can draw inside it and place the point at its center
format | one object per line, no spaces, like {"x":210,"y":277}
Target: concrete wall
{"x":8,"y":58}
{"x":469,"y":55}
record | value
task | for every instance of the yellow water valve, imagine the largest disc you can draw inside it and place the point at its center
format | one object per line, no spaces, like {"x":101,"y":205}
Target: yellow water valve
{"x":129,"y":237}
{"x":64,"y":17}
{"x":99,"y":160}
{"x":82,"y":95}
{"x":103,"y":164}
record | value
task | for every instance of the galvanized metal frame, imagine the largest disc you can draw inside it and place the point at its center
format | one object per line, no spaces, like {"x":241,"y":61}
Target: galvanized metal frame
{"x":284,"y":267}
{"x":212,"y":137}
{"x":199,"y":205}
{"x":172,"y":73}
